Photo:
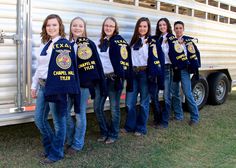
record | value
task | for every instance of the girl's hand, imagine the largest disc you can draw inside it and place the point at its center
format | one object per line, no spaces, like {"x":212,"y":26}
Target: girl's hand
{"x":33,"y":93}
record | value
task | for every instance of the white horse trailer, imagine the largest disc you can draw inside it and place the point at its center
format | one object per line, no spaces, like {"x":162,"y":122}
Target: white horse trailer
{"x":212,"y":22}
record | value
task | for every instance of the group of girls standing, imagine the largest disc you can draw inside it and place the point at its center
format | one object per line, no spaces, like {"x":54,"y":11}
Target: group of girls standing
{"x":68,"y":71}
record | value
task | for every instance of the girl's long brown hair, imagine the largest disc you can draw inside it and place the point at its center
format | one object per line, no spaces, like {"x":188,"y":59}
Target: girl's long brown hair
{"x":169,"y":29}
{"x":44,"y":36}
{"x":103,"y":34}
{"x":85,"y":31}
{"x":136,"y":34}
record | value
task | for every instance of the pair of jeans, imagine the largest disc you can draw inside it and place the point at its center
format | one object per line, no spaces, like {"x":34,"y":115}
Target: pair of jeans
{"x":76,"y":130}
{"x":168,"y":80}
{"x":187,"y":90}
{"x":156,"y":105}
{"x":53,"y":141}
{"x":108,"y":128}
{"x":137,"y":120}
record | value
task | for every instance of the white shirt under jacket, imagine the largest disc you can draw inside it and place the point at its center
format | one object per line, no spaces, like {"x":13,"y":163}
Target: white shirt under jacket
{"x":165,"y":49}
{"x":140,"y":57}
{"x":105,"y":59}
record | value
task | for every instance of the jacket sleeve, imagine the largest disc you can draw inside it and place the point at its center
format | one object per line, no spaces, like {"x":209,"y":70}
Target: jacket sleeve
{"x":197,"y":54}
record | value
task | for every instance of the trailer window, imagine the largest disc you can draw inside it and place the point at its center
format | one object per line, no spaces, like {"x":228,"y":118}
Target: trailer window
{"x":233,"y":8}
{"x":201,"y":1}
{"x":185,"y":11}
{"x":147,"y":4}
{"x":232,"y":21}
{"x":223,"y":19}
{"x":167,"y":7}
{"x":213,"y":3}
{"x":211,"y":16}
{"x":129,"y":2}
{"x":200,"y":14}
{"x":224,"y":6}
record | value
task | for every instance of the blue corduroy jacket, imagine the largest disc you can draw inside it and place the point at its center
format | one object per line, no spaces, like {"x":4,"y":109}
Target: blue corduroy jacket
{"x":62,"y":76}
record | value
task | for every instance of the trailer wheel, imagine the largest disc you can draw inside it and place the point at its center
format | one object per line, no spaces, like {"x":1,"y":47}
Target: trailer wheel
{"x":219,"y":88}
{"x":200,"y":91}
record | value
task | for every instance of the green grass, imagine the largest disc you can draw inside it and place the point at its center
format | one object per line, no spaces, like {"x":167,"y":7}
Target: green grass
{"x":211,"y":144}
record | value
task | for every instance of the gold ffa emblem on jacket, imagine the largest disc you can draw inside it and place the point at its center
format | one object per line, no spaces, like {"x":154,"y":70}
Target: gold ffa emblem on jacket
{"x":123,"y":51}
{"x":178,"y":47}
{"x":191,"y":48}
{"x":63,"y":59}
{"x":154,"y":50}
{"x":84,"y":52}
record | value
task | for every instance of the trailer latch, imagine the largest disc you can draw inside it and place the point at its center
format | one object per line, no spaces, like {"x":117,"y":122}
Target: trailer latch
{"x":14,"y":37}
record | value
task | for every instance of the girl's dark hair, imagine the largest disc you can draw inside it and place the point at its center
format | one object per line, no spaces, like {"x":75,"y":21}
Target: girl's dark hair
{"x":135,"y":36}
{"x":85,"y":31}
{"x":103,"y":34}
{"x":179,"y":22}
{"x":169,"y":29}
{"x":45,"y":37}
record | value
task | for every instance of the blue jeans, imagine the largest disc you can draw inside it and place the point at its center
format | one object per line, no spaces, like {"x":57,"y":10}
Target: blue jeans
{"x":109,"y":129}
{"x":53,"y":142}
{"x":187,"y":90}
{"x":137,"y":121}
{"x":156,"y":105}
{"x":76,"y":131}
{"x":167,"y":95}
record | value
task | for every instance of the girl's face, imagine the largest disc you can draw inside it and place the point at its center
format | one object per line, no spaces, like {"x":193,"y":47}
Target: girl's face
{"x":77,"y":28}
{"x":163,"y":27}
{"x":109,"y":27}
{"x":143,"y":28}
{"x":52,"y":28}
{"x":179,"y":30}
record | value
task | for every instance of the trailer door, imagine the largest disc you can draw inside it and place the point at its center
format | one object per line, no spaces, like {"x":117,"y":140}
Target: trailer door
{"x":11,"y":55}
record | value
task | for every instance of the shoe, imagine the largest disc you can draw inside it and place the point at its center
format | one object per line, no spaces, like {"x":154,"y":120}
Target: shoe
{"x":162,"y":126}
{"x":177,"y":120}
{"x":41,"y":155}
{"x":71,"y":151}
{"x":102,"y":139}
{"x":110,"y":141}
{"x":172,"y":118}
{"x":154,"y":125}
{"x":192,"y":123}
{"x":67,"y":146}
{"x":47,"y":161}
{"x":123,"y":131}
{"x":138,"y":134}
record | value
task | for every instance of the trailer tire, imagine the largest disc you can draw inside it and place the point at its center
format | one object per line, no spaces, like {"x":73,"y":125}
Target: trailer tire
{"x":219,"y":88}
{"x":200,"y":91}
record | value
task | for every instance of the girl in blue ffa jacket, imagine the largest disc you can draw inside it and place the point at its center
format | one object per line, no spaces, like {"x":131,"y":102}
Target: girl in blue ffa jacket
{"x":55,"y":78}
{"x":145,"y":52}
{"x":114,"y":53}
{"x":175,"y":59}
{"x":90,"y":73}
{"x":193,"y":55}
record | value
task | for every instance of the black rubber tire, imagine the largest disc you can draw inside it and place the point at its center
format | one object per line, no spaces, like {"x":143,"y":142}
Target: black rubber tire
{"x":200,"y":91}
{"x":218,"y":88}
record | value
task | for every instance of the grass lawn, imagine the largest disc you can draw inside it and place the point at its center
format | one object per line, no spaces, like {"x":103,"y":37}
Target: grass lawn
{"x":211,"y":144}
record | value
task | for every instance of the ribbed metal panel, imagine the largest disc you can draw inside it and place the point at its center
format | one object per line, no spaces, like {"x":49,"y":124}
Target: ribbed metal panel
{"x":7,"y":56}
{"x":217,"y":41}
